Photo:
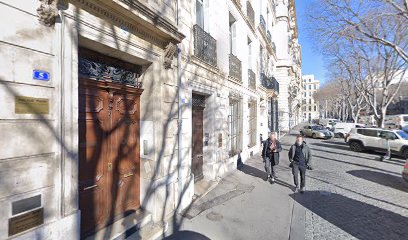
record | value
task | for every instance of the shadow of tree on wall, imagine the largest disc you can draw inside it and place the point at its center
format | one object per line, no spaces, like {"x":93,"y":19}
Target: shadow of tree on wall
{"x":359,"y":219}
{"x":160,"y":178}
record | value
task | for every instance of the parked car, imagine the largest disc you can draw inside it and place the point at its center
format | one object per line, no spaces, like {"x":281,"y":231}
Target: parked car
{"x":390,"y":125}
{"x":360,"y":139}
{"x":405,"y":171}
{"x":397,"y":121}
{"x":316,"y":131}
{"x":340,"y":130}
{"x":328,"y":123}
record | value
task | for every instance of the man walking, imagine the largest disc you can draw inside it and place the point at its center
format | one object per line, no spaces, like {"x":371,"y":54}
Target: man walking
{"x":300,"y":158}
{"x":270,"y":155}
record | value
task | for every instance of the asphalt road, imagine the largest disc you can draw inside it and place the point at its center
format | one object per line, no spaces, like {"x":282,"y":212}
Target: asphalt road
{"x":354,"y":195}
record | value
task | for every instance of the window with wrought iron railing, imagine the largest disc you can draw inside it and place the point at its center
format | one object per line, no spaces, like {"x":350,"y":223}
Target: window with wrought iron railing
{"x":262,"y":23}
{"x":205,"y":46}
{"x":251,"y":79}
{"x":250,"y":13}
{"x":235,"y":68}
{"x":252,"y":124}
{"x":234,"y":120}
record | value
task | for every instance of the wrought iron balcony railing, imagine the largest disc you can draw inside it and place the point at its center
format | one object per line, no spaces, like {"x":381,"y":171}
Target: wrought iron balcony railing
{"x":270,"y":83}
{"x":262,"y":23}
{"x":250,"y":14}
{"x":205,"y":46}
{"x":274,"y":47}
{"x":237,"y":3}
{"x":235,"y":69}
{"x":269,"y":36}
{"x":251,"y":79}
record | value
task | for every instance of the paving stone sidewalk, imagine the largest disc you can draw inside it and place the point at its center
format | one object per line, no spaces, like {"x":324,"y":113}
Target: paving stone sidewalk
{"x":243,"y":206}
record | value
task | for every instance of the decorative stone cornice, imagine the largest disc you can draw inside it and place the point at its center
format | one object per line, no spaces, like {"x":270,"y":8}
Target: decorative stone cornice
{"x":47,"y":12}
{"x":154,"y":18}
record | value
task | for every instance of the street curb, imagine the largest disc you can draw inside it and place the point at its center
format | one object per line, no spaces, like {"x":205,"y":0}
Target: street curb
{"x":297,"y":223}
{"x":298,"y":219}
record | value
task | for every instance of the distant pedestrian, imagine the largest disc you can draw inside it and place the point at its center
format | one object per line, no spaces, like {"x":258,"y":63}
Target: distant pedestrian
{"x":270,"y":155}
{"x":300,"y":158}
{"x":387,"y":138}
{"x":261,"y":138}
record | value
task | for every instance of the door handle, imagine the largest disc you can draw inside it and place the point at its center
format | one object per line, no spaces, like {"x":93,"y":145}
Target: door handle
{"x":109,"y":166}
{"x":90,"y":187}
{"x":129,"y":174}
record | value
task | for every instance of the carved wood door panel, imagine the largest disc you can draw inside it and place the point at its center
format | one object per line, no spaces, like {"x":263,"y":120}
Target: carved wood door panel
{"x":94,"y":124}
{"x":125,"y":150}
{"x":109,"y":162}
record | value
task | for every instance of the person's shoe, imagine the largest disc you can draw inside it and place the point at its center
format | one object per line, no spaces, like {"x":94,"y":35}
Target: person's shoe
{"x":302,"y":190}
{"x":272,"y":180}
{"x":296,"y":189}
{"x":276,"y":177}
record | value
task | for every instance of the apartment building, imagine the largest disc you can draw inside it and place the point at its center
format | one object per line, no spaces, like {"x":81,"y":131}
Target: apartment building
{"x":310,"y":106}
{"x":288,"y":67}
{"x":115,"y":110}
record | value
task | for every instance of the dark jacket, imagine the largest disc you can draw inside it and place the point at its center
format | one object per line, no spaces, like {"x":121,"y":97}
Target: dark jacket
{"x":306,"y":152}
{"x":267,"y":153}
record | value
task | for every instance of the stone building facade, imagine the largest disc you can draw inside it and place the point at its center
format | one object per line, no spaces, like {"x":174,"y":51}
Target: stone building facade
{"x":311,"y":108}
{"x":114,"y":110}
{"x":288,"y":68}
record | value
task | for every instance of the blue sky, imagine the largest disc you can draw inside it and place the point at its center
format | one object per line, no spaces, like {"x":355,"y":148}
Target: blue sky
{"x":312,"y":61}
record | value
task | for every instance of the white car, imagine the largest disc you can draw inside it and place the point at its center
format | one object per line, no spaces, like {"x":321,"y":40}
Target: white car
{"x":341,"y":129}
{"x":360,"y":139}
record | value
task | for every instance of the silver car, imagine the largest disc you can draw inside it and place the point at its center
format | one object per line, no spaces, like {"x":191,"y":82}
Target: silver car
{"x":316,"y":131}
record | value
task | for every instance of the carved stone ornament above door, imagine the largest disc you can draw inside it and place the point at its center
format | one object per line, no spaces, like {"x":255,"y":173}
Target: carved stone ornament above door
{"x":47,"y":12}
{"x":168,"y":55}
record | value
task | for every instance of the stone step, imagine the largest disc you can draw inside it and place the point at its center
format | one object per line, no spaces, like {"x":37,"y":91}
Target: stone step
{"x":124,"y":226}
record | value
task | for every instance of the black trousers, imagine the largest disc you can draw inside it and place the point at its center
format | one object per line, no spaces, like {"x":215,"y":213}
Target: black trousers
{"x":296,"y":169}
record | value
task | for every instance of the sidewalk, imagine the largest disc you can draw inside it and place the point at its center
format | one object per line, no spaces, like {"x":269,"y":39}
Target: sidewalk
{"x":245,"y":206}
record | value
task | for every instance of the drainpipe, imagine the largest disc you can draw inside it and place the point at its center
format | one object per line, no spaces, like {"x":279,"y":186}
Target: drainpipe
{"x":180,"y":115}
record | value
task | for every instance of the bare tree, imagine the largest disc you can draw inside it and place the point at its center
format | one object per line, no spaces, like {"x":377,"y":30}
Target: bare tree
{"x":369,"y":38}
{"x":384,"y":22}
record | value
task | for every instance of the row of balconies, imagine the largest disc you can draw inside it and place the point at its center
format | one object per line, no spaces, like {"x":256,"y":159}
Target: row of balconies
{"x":205,"y":48}
{"x":270,"y":83}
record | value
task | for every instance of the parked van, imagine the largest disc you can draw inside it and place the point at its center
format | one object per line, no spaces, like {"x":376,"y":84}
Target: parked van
{"x":328,"y":123}
{"x":341,"y":129}
{"x":400,"y":120}
{"x":369,"y":121}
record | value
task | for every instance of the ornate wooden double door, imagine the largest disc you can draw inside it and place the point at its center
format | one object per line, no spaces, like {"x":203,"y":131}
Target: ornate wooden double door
{"x":109,"y":162}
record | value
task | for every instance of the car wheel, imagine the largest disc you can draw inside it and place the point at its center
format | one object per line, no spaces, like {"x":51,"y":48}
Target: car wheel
{"x":356,"y":146}
{"x":314,"y":135}
{"x":340,"y":135}
{"x":405,"y":153}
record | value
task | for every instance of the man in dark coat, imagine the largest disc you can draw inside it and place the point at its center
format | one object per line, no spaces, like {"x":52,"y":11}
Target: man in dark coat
{"x":300,"y":158}
{"x":270,"y":155}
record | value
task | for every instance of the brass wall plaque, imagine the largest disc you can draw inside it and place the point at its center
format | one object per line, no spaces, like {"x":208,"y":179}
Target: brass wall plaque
{"x":30,"y":105}
{"x":26,"y":221}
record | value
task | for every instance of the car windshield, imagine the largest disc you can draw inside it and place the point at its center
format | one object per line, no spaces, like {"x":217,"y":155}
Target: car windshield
{"x":403,"y":134}
{"x":317,"y":128}
{"x":405,"y":118}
